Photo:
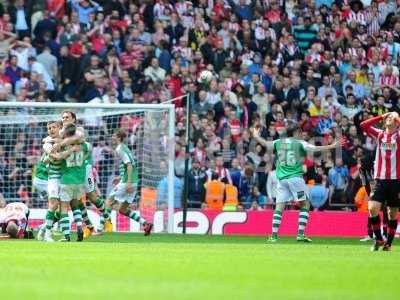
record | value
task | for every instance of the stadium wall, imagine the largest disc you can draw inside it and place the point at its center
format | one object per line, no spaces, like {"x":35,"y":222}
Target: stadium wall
{"x":324,"y":224}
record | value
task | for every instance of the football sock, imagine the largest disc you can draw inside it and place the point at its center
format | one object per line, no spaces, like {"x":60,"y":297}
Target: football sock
{"x":84,"y":214}
{"x":49,"y":219}
{"x":105,"y":216}
{"x":135,"y":216}
{"x":107,"y":213}
{"x":57,"y":216}
{"x":392,"y":226}
{"x":77,"y":217}
{"x":376,"y":227}
{"x":385,"y":230}
{"x":370,"y":231}
{"x":276,"y":222}
{"x":65,"y":226}
{"x":100,"y":204}
{"x":303,"y":220}
{"x":385,"y":223}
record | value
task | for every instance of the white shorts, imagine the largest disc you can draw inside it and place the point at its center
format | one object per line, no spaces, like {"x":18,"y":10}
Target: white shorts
{"x":53,"y":188}
{"x":40,"y":185}
{"x":119,"y":193}
{"x":292,"y":189}
{"x":89,"y":180}
{"x":69,"y":192}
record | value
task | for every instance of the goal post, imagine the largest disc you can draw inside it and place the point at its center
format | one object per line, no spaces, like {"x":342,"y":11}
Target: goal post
{"x":151,"y":138}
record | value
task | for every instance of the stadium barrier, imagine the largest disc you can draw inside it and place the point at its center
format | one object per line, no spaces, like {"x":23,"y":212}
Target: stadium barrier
{"x":324,"y":224}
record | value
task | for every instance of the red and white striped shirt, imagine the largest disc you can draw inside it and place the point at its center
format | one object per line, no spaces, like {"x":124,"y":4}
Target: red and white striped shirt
{"x":16,"y":211}
{"x":387,"y":157}
{"x":390,"y":80}
{"x":358,"y":17}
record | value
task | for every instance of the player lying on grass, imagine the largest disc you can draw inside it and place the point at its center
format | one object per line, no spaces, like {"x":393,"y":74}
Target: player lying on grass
{"x":290,"y":154}
{"x":386,"y":175}
{"x":68,"y":117}
{"x":125,"y":190}
{"x":14,"y":221}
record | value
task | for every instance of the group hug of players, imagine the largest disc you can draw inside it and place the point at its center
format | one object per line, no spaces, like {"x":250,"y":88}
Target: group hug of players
{"x":64,"y":175}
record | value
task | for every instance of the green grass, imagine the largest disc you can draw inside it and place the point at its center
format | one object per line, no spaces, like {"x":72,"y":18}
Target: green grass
{"x":130,"y":266}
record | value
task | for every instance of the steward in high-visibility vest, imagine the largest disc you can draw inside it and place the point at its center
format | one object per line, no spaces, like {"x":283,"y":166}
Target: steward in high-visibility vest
{"x":231,"y":197}
{"x":215,"y":190}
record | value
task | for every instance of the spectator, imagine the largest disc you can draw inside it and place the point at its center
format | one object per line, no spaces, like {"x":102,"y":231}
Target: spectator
{"x":246,"y":181}
{"x":154,"y":72}
{"x":338,"y":179}
{"x":221,"y":171}
{"x":162,"y":188}
{"x":325,"y":122}
{"x":202,"y":106}
{"x":257,"y":199}
{"x":318,"y":194}
{"x":19,"y":16}
{"x":197,"y":181}
{"x":215,"y":193}
{"x":84,"y":8}
{"x":49,"y":62}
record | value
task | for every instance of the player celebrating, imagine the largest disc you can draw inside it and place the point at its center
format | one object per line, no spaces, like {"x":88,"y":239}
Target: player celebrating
{"x":124,"y":191}
{"x":54,"y":175}
{"x":41,"y":178}
{"x":386,"y":175}
{"x":73,"y":174}
{"x":291,"y":185}
{"x":68,"y":117}
{"x":14,"y":221}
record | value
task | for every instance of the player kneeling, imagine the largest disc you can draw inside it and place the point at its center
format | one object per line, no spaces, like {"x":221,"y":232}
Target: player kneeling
{"x":14,"y":221}
{"x":125,"y":190}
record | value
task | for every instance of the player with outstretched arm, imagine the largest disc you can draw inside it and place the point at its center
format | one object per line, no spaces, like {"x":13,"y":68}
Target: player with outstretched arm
{"x":290,"y":154}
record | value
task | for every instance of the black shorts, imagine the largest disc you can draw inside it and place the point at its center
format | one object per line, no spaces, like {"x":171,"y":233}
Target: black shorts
{"x":386,"y":192}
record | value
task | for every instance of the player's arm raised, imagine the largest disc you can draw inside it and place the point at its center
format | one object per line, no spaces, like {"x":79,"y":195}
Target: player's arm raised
{"x":256,"y":135}
{"x":78,"y":138}
{"x":313,"y":148}
{"x":368,"y":125}
{"x":63,"y":155}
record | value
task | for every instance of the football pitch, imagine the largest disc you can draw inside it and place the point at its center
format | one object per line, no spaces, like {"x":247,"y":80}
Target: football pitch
{"x":130,"y":266}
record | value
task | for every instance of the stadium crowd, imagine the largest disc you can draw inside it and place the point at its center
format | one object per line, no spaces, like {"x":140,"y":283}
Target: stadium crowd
{"x":315,"y":68}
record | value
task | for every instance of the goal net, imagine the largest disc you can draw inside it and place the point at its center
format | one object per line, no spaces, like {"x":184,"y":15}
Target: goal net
{"x":150,"y":137}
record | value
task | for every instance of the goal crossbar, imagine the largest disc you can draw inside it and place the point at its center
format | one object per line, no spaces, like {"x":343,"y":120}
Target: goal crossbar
{"x":118,"y":109}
